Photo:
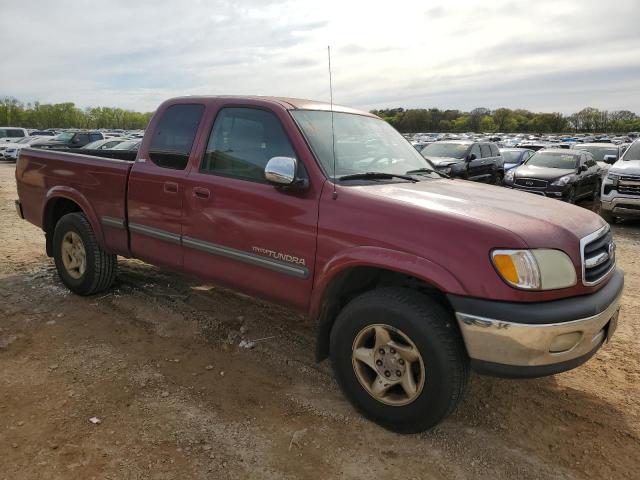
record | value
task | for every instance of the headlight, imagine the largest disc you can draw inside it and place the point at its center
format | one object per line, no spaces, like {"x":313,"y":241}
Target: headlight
{"x":445,"y":170}
{"x":508,"y":177}
{"x":538,"y":269}
{"x":562,"y":180}
{"x":614,"y":178}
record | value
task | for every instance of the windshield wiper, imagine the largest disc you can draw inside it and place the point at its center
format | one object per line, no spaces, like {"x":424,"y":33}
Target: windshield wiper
{"x":376,"y":176}
{"x":427,"y":170}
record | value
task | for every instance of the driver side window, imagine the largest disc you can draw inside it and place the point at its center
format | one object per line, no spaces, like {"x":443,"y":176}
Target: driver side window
{"x":241,"y":143}
{"x":475,"y":149}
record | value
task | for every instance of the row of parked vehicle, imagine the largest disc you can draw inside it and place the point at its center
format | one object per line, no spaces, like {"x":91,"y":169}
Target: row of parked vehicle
{"x":606,"y":173}
{"x":68,"y":140}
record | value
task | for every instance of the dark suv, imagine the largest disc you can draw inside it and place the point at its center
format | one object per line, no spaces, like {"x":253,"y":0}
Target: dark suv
{"x":558,"y":173}
{"x":71,"y":139}
{"x":477,"y":161}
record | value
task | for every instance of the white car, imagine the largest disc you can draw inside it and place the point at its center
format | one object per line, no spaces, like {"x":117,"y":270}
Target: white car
{"x":9,"y":151}
{"x":621,"y":187}
{"x":11,"y":134}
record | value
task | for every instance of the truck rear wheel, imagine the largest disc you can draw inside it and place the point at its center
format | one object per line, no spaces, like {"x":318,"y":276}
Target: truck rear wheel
{"x":84,"y":267}
{"x":398,"y":359}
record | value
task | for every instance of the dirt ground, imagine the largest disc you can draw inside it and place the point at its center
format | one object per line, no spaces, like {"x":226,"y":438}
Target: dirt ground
{"x":157,"y":361}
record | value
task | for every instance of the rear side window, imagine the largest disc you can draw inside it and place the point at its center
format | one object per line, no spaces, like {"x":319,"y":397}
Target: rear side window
{"x":174,"y":135}
{"x":242,"y":141}
{"x":16,"y":133}
{"x":486,"y":151}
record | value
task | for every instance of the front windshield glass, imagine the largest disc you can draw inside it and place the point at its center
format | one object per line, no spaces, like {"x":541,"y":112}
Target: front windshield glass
{"x":64,"y":137}
{"x":510,"y":156}
{"x":553,"y":160}
{"x":633,"y":152}
{"x":362,"y":144}
{"x":599,"y":152}
{"x":442,"y":149}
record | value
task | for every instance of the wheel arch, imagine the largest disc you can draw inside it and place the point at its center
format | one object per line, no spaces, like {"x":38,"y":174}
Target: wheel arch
{"x":61,"y":201}
{"x":365,"y":268}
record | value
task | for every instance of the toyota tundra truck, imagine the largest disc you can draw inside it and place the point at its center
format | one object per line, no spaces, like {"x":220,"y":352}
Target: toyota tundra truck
{"x":412,"y":278}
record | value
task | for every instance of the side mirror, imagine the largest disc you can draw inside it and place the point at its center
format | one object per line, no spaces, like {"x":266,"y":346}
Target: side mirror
{"x":582,"y":168}
{"x":75,"y":140}
{"x":472,"y":157}
{"x":610,"y":159}
{"x":281,"y":172}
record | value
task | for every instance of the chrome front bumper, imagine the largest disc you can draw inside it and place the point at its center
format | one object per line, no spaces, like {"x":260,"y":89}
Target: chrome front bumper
{"x":616,"y":205}
{"x":528,"y":345}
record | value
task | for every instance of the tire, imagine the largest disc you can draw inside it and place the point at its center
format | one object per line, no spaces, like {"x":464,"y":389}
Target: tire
{"x":429,"y":327}
{"x":596,"y":200}
{"x":98,"y":270}
{"x":571,"y":197}
{"x":499,"y":179}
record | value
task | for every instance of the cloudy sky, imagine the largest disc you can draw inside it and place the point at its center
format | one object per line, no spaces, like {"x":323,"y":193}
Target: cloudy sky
{"x":558,"y":55}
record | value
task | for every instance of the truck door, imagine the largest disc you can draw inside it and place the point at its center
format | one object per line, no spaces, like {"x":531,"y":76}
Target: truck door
{"x":156,"y":185}
{"x":239,"y":230}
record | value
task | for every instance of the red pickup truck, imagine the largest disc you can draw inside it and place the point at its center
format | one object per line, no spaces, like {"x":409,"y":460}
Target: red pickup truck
{"x":413,"y":278}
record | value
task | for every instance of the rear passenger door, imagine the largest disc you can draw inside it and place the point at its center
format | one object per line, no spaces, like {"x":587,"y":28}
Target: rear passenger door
{"x":156,"y":185}
{"x":239,"y":230}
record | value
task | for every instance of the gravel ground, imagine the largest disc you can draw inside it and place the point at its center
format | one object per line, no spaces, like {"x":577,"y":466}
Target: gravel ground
{"x":156,"y":364}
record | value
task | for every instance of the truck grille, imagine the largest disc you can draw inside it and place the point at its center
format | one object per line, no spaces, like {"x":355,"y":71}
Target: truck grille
{"x":629,"y":185}
{"x":531,"y":183}
{"x":598,"y":256}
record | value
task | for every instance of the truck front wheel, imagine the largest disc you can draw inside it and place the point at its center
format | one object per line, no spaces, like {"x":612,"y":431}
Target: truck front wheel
{"x":398,"y":358}
{"x":84,"y":267}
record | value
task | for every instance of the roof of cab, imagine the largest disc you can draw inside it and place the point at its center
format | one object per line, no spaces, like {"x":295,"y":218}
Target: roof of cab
{"x":285,"y":102}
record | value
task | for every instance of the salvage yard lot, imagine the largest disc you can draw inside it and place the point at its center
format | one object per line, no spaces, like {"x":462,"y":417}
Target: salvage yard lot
{"x":158,"y":361}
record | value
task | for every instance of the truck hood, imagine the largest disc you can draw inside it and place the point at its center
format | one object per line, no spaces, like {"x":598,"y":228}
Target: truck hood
{"x":626,"y":167}
{"x":537,"y":220}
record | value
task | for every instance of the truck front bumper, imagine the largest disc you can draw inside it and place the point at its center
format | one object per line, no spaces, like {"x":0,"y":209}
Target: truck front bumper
{"x":622,"y":205}
{"x":522,"y":340}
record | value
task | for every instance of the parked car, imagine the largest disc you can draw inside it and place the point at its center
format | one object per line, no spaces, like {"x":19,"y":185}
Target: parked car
{"x":567,"y":175}
{"x":621,"y":187}
{"x":602,"y":152}
{"x":10,"y":151}
{"x":71,"y":139}
{"x":411,"y":277}
{"x":514,"y":157}
{"x":103,"y":144}
{"x":477,"y":161}
{"x":11,"y":134}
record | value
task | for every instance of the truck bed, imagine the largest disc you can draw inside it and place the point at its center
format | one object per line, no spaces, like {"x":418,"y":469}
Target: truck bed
{"x":97,"y":184}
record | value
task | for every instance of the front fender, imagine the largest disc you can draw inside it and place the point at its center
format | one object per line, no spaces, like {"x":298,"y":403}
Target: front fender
{"x":61,"y":191}
{"x":367,"y":256}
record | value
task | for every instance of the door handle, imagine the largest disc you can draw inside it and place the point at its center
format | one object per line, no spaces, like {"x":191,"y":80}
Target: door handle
{"x":170,"y":187}
{"x":201,"y":192}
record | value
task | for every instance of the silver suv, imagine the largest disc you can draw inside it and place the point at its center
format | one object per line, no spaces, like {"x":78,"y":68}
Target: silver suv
{"x":621,"y":187}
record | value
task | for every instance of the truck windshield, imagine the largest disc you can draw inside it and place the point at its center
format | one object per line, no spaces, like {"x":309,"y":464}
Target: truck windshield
{"x":441,"y":149}
{"x":362,"y":144}
{"x":633,"y":153}
{"x":553,"y":160}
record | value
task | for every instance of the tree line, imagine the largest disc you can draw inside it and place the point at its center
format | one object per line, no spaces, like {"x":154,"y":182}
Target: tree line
{"x":66,"y":115}
{"x":506,"y":120}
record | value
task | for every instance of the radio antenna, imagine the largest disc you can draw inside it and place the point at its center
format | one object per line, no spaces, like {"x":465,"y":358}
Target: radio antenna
{"x":333,"y":135}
